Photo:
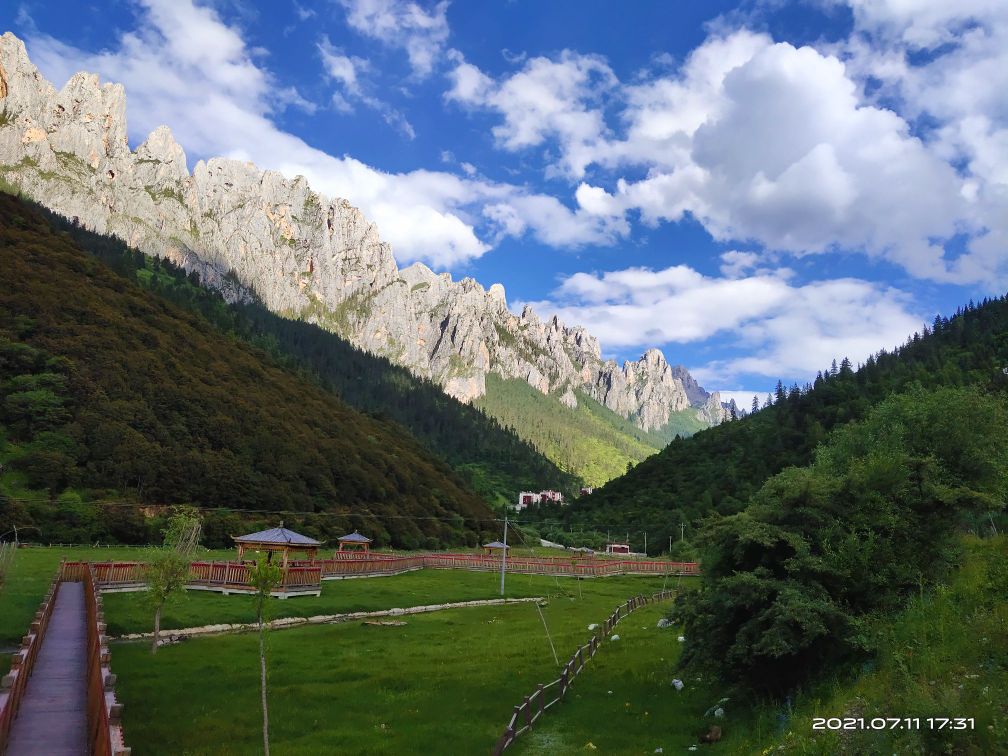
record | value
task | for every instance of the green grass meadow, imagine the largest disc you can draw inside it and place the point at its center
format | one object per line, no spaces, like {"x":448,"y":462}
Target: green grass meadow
{"x":624,"y":702}
{"x":445,"y":682}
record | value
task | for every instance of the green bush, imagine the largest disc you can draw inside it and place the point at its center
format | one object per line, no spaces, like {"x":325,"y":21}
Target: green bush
{"x":790,"y":581}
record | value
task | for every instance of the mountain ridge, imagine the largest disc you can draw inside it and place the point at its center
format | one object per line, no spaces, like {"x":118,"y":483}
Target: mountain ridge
{"x":246,"y":230}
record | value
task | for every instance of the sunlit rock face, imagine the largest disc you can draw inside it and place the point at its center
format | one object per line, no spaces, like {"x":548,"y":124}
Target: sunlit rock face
{"x":256,"y":234}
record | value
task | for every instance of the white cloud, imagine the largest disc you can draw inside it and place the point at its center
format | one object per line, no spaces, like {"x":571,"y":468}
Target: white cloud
{"x":781,"y":151}
{"x":558,"y":99}
{"x":348,"y":72}
{"x":402,"y":24}
{"x":925,"y":24}
{"x":344,"y":69}
{"x":186,"y":68}
{"x":552,"y":222}
{"x":779,"y":146}
{"x":734,"y":264}
{"x":783,"y":328}
{"x":946,"y":64}
{"x":302,"y":12}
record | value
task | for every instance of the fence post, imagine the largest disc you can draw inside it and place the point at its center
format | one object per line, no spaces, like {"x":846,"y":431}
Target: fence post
{"x":528,"y":712}
{"x":542,"y":697}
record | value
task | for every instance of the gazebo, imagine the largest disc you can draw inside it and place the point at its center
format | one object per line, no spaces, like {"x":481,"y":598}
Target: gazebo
{"x":277,"y":540}
{"x":354,"y":541}
{"x":493,"y":546}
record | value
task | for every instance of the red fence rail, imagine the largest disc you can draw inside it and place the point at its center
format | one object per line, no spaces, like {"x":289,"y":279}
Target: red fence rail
{"x":533,"y":706}
{"x":13,"y":684}
{"x":385,"y":564}
{"x":309,"y":574}
{"x":104,"y":711}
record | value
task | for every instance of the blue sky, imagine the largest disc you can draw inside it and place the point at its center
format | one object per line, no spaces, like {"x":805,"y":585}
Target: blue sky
{"x":753,"y":188}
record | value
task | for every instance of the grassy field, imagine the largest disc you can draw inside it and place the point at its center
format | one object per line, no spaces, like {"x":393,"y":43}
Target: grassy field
{"x":443,"y":683}
{"x":446,"y":682}
{"x":624,"y":701}
{"x":126,"y":613}
{"x":31,"y":573}
{"x":34,"y":568}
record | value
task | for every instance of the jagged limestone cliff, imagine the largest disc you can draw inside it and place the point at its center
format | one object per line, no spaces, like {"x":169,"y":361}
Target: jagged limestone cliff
{"x":251,"y":232}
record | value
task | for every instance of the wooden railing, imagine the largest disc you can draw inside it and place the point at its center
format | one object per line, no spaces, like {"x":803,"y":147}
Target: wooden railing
{"x":384,"y":564}
{"x":104,"y":711}
{"x":12,"y":686}
{"x":208,"y":574}
{"x":309,"y":574}
{"x":104,"y":737}
{"x":533,"y":706}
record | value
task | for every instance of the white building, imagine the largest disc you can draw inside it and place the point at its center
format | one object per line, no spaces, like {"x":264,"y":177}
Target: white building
{"x":527,"y":498}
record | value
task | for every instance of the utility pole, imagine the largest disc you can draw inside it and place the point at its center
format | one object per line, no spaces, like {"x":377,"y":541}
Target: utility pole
{"x":645,"y":543}
{"x":682,"y":531}
{"x":504,"y":554}
{"x":670,"y":544}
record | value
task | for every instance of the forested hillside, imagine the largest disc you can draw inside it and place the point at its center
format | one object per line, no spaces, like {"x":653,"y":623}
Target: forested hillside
{"x":493,"y":460}
{"x":719,"y":469}
{"x":589,"y":440}
{"x":111,"y":393}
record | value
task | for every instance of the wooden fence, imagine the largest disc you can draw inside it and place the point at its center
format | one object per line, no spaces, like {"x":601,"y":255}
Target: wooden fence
{"x":305,"y":576}
{"x":111,"y":576}
{"x":104,"y":711}
{"x":12,"y":686}
{"x":533,"y":706}
{"x":385,"y":564}
{"x":104,"y":737}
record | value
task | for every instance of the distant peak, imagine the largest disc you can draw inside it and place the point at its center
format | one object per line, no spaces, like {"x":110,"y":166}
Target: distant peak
{"x":496,"y":292}
{"x":654,"y":357}
{"x":161,"y":146}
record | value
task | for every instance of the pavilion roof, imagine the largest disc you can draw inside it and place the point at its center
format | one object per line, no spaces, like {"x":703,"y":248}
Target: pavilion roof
{"x":495,"y":545}
{"x":355,"y":537}
{"x":279,"y":536}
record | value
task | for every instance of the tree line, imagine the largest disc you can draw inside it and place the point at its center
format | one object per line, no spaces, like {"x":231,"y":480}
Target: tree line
{"x":720,"y":469}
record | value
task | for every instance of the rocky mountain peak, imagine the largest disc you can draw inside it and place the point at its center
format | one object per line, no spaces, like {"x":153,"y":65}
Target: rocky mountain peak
{"x":250,"y":232}
{"x":167,"y":157}
{"x":653,"y":358}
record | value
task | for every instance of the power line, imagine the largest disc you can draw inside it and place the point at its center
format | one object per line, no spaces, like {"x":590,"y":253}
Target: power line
{"x":344,"y":514}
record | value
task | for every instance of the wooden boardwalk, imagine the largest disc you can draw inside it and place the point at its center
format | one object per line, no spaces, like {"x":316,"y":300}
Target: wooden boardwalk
{"x":52,"y":718}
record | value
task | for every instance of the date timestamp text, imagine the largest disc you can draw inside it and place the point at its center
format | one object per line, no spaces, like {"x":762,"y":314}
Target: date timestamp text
{"x":893,"y":723}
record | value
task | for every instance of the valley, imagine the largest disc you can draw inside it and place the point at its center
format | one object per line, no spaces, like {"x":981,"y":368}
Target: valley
{"x":393,"y":378}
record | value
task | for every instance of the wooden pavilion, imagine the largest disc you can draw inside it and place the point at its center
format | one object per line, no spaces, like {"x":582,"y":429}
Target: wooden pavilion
{"x":494,"y":546}
{"x":354,"y":542}
{"x":278,"y":540}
